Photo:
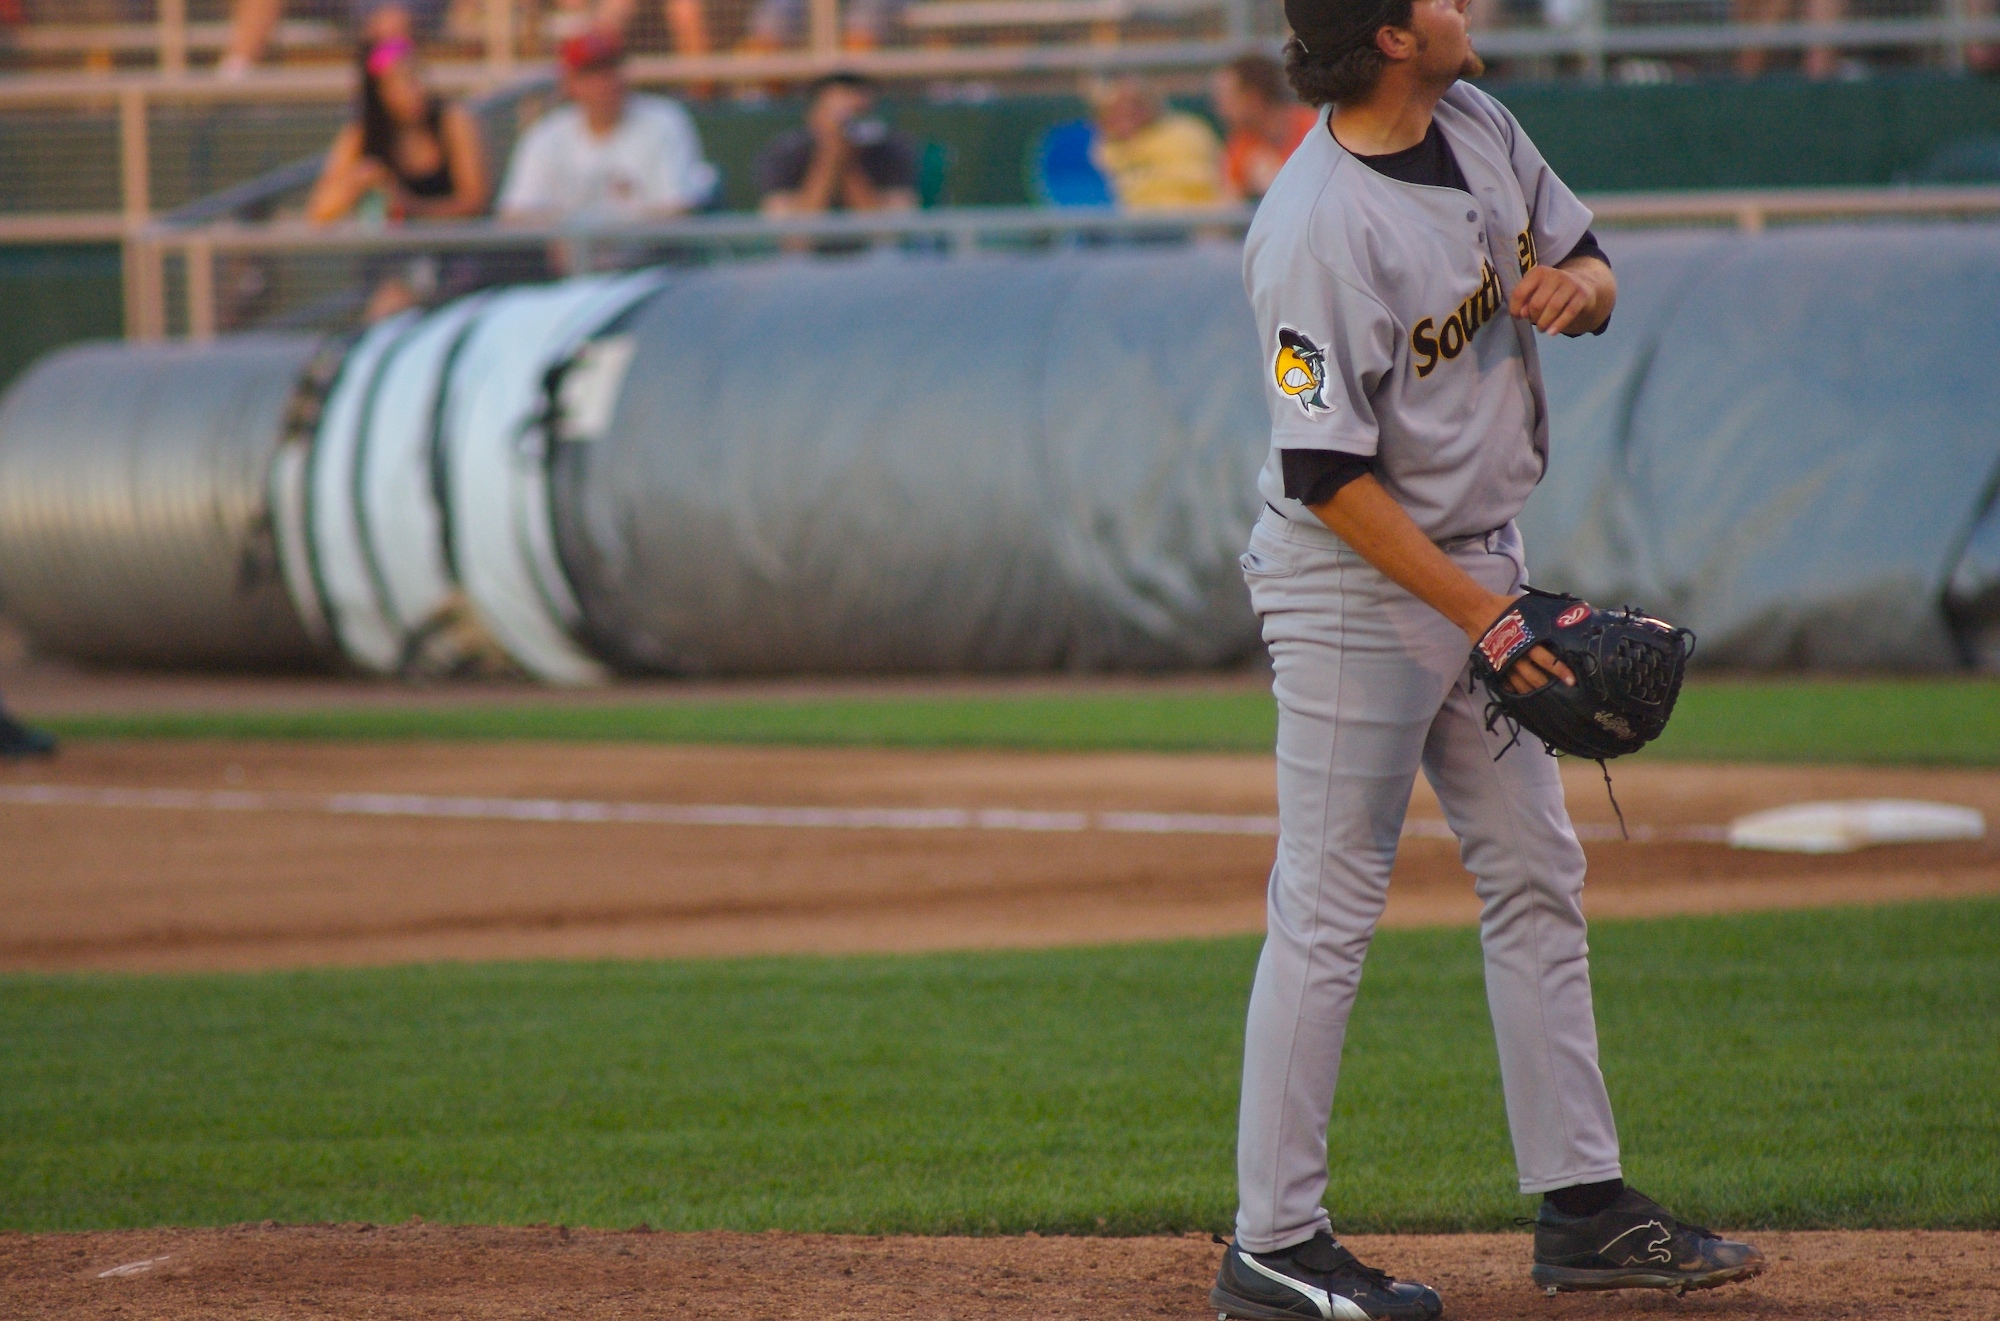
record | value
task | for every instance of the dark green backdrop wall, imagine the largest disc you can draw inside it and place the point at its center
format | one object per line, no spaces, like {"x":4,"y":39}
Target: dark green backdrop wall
{"x":1771,"y":133}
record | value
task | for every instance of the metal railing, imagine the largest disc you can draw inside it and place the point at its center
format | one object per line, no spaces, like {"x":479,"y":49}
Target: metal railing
{"x":135,"y":96}
{"x":1752,"y":211}
{"x":197,"y":252}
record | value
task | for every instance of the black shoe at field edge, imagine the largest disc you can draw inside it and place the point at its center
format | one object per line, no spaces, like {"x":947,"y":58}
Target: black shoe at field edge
{"x":1318,"y":1280}
{"x":1635,"y":1244}
{"x":18,"y":740}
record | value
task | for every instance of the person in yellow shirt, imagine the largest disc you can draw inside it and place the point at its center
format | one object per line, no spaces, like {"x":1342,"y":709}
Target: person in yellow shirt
{"x":1155,"y":158}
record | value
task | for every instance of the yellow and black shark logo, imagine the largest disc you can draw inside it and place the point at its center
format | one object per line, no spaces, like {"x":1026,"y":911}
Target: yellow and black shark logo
{"x":1300,"y":370}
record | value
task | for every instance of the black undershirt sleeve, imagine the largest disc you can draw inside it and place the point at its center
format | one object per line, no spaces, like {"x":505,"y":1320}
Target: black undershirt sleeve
{"x":1313,"y":477}
{"x":1587,"y":246}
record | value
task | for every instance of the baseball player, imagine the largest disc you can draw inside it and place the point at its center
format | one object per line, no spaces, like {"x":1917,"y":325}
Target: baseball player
{"x":1399,"y":268}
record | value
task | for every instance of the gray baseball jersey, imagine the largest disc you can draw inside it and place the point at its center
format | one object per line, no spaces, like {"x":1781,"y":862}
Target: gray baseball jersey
{"x":1383,"y":311}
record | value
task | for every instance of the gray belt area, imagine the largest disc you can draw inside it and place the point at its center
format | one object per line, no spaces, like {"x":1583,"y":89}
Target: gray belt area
{"x":1316,"y":533}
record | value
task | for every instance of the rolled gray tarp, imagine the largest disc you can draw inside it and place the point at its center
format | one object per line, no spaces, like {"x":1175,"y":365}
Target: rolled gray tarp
{"x":1790,"y":445}
{"x":906,"y":462}
{"x":987,"y":464}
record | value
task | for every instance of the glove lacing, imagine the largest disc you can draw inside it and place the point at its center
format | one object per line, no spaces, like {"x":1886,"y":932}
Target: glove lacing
{"x":1495,"y":713}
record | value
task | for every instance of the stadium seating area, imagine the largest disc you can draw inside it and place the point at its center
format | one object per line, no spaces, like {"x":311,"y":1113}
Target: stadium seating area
{"x":118,"y":116}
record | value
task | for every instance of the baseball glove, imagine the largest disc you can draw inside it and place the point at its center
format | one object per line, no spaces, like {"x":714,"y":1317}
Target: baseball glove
{"x":1628,"y":669}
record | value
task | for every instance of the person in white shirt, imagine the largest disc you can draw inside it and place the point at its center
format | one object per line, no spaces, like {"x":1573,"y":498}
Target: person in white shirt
{"x":609,"y":153}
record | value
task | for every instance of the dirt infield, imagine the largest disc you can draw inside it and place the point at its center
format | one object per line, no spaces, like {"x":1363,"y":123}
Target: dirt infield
{"x":366,"y":1273}
{"x":258,"y":864}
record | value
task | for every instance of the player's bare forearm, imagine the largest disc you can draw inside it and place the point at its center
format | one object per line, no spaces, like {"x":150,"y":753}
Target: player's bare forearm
{"x":1575,"y":297}
{"x":1368,"y":519}
{"x":1365,"y":516}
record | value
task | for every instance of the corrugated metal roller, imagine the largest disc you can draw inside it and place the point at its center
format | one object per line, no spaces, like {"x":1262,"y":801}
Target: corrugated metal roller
{"x":135,"y":503}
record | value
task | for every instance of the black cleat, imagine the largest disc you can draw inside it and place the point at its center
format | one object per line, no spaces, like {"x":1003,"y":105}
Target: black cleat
{"x":18,"y":740}
{"x":1635,"y":1244}
{"x":1316,"y":1281}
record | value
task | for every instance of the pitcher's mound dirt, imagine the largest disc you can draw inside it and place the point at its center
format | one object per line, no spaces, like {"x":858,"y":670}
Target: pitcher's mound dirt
{"x":365,"y":1273}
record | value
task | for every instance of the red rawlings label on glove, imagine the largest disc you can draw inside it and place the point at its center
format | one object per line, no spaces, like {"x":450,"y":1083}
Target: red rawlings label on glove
{"x":1576,"y":614}
{"x":1508,"y":638}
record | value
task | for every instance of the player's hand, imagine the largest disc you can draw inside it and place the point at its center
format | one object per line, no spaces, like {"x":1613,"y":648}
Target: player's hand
{"x":1537,"y":669}
{"x":1534,"y":670}
{"x":1550,"y":297}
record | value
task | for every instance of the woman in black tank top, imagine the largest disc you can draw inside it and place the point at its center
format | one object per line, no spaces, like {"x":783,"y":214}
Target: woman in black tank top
{"x":420,"y":154}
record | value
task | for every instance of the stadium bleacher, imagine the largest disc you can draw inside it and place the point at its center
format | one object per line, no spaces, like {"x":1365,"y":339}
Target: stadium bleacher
{"x":112,"y":113}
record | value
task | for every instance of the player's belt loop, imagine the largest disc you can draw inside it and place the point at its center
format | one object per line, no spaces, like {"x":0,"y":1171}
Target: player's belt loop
{"x":1485,"y":539}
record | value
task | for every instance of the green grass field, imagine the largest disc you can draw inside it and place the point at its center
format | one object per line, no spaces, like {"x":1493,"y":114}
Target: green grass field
{"x":1799,"y":1069}
{"x":1920,"y":722}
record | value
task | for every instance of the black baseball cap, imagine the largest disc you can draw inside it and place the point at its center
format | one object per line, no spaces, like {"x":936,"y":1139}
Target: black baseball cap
{"x":1325,"y":27}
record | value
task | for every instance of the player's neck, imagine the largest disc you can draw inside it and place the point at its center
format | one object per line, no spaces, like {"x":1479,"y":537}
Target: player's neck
{"x":1395,"y":117}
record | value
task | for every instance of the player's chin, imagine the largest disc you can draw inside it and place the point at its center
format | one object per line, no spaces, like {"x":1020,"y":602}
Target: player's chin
{"x":1473,"y":66}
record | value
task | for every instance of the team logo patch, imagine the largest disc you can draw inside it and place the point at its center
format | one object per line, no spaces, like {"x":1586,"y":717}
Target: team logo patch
{"x":1300,"y":370}
{"x":1505,"y":640}
{"x":1576,"y":614}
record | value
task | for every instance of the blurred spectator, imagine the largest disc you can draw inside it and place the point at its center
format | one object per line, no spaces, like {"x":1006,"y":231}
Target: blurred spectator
{"x":1820,"y":61}
{"x":420,"y":155}
{"x":687,"y":22}
{"x":844,"y":159}
{"x":1155,"y":158}
{"x":864,"y":24}
{"x":1981,"y":56}
{"x":253,"y":21}
{"x":412,"y":155}
{"x":608,"y":152}
{"x":1266,"y":123}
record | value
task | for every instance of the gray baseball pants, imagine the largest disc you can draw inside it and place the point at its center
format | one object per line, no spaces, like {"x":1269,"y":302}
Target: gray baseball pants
{"x":1371,"y":685}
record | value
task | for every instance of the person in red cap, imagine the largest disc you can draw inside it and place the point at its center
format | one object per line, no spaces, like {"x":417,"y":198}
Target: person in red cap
{"x":607,"y":153}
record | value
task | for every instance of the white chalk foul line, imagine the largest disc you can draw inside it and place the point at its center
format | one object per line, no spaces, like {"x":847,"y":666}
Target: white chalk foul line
{"x":133,"y":1267}
{"x":726,"y":814}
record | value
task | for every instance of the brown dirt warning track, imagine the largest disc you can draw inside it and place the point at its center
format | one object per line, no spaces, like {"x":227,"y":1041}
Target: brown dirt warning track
{"x":212,"y":854}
